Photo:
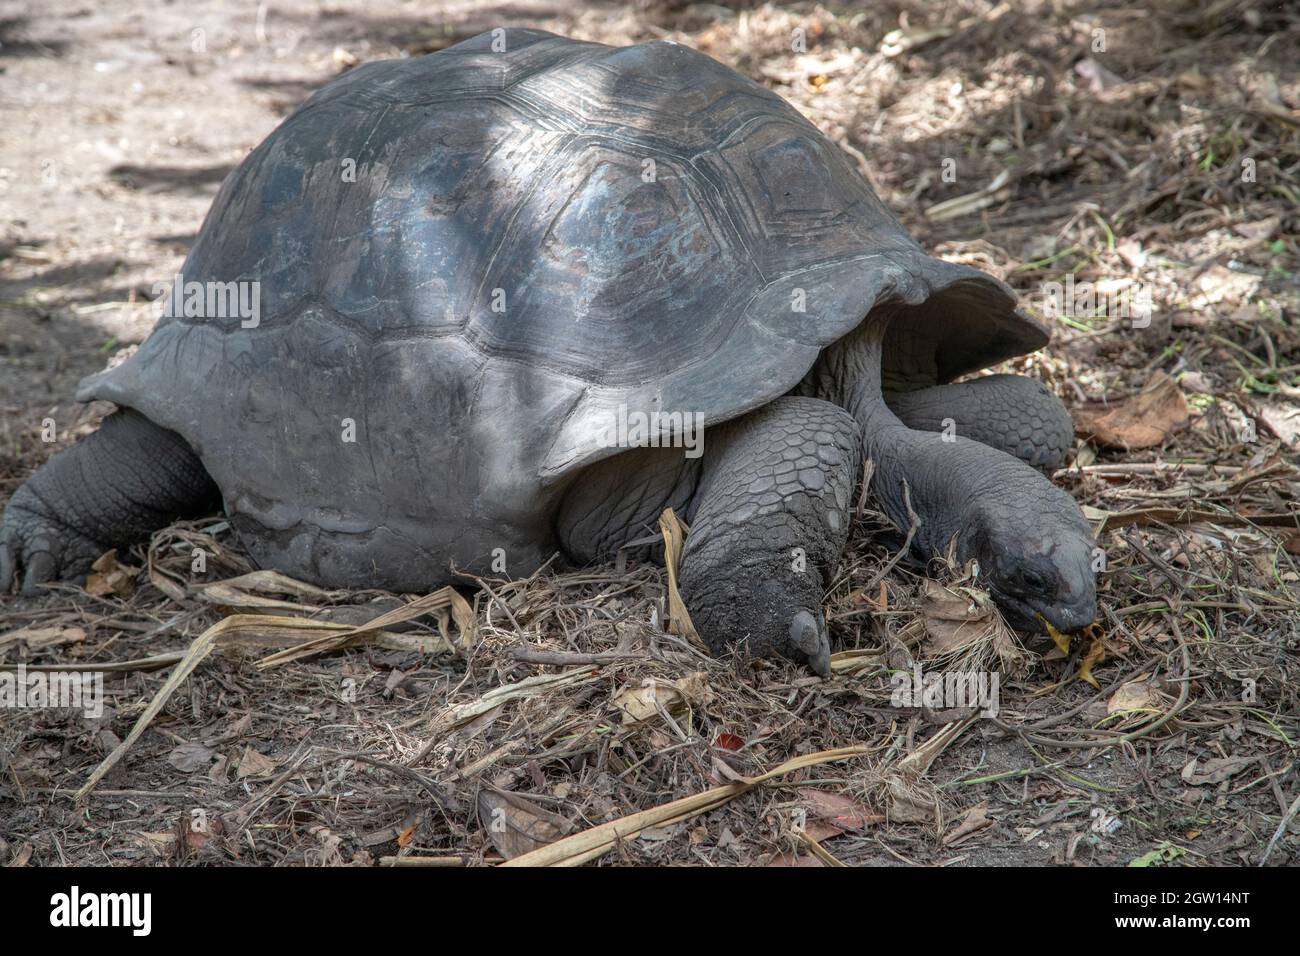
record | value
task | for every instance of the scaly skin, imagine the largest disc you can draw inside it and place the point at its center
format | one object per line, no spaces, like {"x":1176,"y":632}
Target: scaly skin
{"x":111,"y":489}
{"x":772,"y":519}
{"x":1020,"y":416}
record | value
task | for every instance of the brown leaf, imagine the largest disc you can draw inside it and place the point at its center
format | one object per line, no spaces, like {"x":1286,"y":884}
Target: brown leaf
{"x":1134,"y":695}
{"x":1139,"y":421}
{"x":109,"y":577}
{"x":838,"y":810}
{"x":679,"y":619}
{"x":907,"y":805}
{"x":975,"y":819}
{"x":1215,"y":770}
{"x":961,"y":619}
{"x":516,"y":825}
{"x":190,"y":757}
{"x":643,"y":702}
{"x":39,"y":638}
{"x":254,"y":764}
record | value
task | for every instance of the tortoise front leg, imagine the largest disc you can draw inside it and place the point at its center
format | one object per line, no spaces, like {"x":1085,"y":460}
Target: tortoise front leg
{"x":1018,"y":415}
{"x":771,"y":518}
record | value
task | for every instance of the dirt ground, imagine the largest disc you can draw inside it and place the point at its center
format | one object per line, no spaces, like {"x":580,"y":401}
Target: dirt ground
{"x":1152,"y":149}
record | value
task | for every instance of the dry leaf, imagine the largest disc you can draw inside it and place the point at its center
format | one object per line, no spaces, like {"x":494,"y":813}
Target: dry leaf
{"x":840,"y":811}
{"x":1283,"y":420}
{"x":1219,"y":284}
{"x":1140,"y":421}
{"x":517,"y":826}
{"x":679,"y":619}
{"x":975,"y":819}
{"x":1134,"y":695}
{"x":254,"y":764}
{"x":640,"y":703}
{"x":1215,"y":770}
{"x":190,"y":757}
{"x":109,"y":577}
{"x":964,"y":621}
{"x":39,"y":638}
{"x":906,"y":805}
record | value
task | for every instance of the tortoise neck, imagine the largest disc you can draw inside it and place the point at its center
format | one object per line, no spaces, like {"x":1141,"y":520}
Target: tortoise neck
{"x":914,"y":473}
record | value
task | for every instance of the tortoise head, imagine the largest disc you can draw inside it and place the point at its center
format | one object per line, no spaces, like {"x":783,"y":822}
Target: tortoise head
{"x":1035,"y":553}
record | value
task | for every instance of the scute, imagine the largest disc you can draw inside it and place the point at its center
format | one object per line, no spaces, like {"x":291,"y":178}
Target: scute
{"x":472,"y":262}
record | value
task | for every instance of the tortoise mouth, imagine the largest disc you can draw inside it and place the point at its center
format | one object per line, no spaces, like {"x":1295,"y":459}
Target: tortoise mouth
{"x":1033,"y":616}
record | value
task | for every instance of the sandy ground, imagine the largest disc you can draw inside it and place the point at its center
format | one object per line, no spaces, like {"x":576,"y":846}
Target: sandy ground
{"x":1169,"y":159}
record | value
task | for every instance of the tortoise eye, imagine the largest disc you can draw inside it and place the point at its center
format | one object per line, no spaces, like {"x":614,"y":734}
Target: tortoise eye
{"x":1033,"y":581}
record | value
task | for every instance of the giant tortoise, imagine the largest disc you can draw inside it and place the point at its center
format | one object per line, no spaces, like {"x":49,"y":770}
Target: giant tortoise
{"x":519,"y":296}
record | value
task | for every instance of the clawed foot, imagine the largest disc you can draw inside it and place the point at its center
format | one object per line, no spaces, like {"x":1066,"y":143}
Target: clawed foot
{"x":36,"y":549}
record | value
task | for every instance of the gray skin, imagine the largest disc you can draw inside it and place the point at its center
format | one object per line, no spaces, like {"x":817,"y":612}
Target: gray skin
{"x":445,"y":340}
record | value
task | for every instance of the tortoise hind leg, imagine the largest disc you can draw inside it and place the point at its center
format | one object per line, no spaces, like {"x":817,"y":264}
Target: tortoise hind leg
{"x":771,"y":519}
{"x":1011,"y":413}
{"x":113,"y":488}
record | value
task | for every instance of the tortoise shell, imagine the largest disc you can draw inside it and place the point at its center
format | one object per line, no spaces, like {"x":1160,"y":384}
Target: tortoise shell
{"x":469,"y":262}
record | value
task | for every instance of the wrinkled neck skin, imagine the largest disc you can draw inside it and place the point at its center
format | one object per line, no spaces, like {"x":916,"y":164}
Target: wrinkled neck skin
{"x":958,"y":487}
{"x":849,"y":374}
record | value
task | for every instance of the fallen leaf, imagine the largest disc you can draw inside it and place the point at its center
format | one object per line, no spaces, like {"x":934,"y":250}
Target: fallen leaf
{"x":38,"y":638}
{"x":975,"y":819}
{"x":190,"y":757}
{"x":517,"y":826}
{"x":1260,"y":231}
{"x":1134,"y":695}
{"x":962,"y":620}
{"x":644,"y":701}
{"x":254,"y":764}
{"x":906,"y":805}
{"x":1283,"y":420}
{"x":1219,"y":284}
{"x":1215,"y":770}
{"x":840,"y":811}
{"x":1139,"y":421}
{"x":679,"y":619}
{"x":109,"y":577}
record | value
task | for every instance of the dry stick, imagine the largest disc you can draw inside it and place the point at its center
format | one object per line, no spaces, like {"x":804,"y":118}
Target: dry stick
{"x":907,"y":542}
{"x":203,"y":646}
{"x":534,"y":655}
{"x":1144,"y":730}
{"x":1281,"y":828}
{"x":157,"y":662}
{"x":599,"y":840}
